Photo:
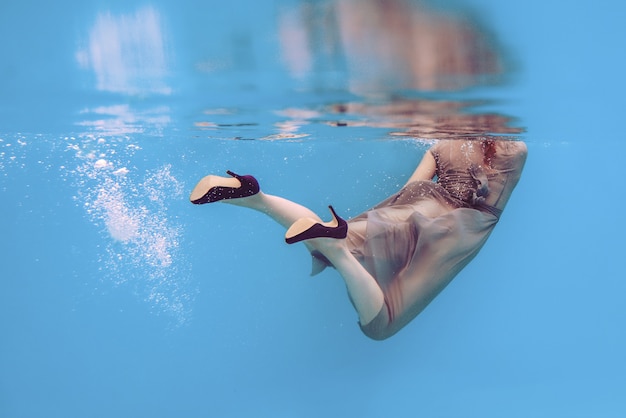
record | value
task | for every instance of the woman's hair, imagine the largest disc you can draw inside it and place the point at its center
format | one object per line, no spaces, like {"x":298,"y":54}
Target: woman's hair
{"x":489,"y":151}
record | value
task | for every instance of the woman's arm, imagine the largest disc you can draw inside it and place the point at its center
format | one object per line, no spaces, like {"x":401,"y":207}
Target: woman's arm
{"x":425,"y":170}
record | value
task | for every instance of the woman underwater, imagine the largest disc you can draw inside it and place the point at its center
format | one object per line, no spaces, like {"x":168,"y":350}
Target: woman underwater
{"x":396,"y":257}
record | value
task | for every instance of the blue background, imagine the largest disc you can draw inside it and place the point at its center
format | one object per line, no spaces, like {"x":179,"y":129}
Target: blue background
{"x":205,"y":312}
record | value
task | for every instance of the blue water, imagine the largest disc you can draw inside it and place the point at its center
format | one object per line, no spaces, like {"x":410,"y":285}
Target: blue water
{"x":120,"y":299}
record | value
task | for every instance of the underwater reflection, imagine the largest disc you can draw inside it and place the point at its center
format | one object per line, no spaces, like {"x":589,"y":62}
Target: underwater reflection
{"x":388,"y":45}
{"x":387,"y":51}
{"x":412,"y":118}
{"x":127,"y":53}
{"x":122,"y":119}
{"x":427,"y":119}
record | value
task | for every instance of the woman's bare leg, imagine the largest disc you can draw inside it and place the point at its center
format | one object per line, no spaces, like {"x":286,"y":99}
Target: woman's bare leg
{"x":283,"y":211}
{"x":366,"y":294}
{"x":364,"y":291}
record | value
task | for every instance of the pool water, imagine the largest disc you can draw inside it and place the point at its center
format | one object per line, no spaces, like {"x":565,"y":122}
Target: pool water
{"x":118,"y":298}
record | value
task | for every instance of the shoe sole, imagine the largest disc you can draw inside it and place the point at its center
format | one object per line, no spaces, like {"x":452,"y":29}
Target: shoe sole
{"x":208,"y":182}
{"x":304,"y":224}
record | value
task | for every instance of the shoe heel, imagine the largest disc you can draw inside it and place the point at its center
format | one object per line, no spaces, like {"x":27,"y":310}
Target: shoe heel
{"x":308,"y":228}
{"x":341,"y":230}
{"x":249,"y":185}
{"x":336,"y":218}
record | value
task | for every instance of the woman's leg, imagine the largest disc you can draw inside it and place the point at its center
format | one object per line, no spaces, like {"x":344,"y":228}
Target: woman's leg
{"x":364,"y":291}
{"x":283,"y":211}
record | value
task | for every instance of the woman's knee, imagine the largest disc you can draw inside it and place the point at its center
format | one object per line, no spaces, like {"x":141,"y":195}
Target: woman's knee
{"x":381,"y":327}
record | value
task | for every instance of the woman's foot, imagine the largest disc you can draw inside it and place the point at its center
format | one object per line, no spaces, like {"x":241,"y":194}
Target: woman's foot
{"x":308,"y":228}
{"x":215,"y":188}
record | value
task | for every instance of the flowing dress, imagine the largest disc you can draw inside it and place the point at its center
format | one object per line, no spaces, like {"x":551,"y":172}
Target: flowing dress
{"x":416,"y":241}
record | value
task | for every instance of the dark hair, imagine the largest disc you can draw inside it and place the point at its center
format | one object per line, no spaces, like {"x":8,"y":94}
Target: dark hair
{"x":489,"y":147}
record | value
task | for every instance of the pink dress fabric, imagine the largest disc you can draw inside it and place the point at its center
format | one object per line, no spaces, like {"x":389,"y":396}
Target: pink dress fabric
{"x":417,"y":240}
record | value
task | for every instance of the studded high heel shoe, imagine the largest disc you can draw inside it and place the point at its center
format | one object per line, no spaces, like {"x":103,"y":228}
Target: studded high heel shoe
{"x":308,"y":228}
{"x":214,"y":188}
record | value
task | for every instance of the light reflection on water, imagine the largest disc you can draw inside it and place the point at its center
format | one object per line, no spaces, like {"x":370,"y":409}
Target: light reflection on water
{"x":386,"y":46}
{"x":127,"y":53}
{"x":329,"y":60}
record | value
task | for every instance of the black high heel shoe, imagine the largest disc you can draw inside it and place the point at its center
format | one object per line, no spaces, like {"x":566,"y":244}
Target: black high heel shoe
{"x":214,"y":188}
{"x":308,"y":228}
